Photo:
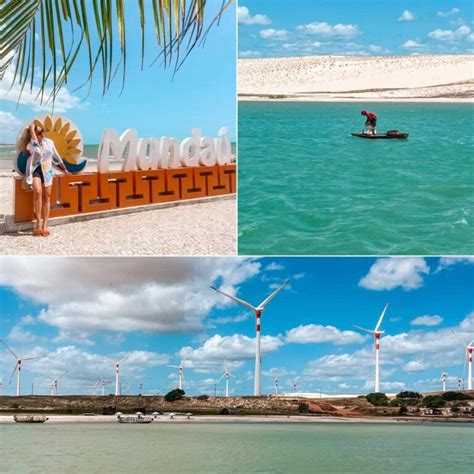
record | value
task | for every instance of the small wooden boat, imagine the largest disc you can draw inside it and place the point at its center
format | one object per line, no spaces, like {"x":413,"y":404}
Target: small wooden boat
{"x":382,"y":136}
{"x":134,"y":419}
{"x":29,"y":419}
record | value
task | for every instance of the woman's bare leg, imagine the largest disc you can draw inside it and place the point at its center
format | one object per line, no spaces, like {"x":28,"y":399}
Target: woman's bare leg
{"x":46,"y":206}
{"x":37,"y":201}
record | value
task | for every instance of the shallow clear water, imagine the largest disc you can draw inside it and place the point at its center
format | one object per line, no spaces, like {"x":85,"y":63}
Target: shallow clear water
{"x":307,"y":187}
{"x":243,"y":448}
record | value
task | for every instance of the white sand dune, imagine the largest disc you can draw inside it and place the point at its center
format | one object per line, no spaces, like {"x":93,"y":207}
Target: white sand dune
{"x":420,"y":77}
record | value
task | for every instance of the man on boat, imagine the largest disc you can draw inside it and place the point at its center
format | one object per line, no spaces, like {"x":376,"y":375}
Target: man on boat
{"x":370,"y":123}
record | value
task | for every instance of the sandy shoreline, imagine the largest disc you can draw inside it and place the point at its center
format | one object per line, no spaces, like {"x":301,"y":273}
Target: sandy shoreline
{"x":428,"y":78}
{"x":188,"y":229}
{"x":8,"y":419}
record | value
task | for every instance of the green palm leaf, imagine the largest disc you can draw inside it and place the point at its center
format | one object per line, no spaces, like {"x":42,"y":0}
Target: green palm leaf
{"x":49,"y":36}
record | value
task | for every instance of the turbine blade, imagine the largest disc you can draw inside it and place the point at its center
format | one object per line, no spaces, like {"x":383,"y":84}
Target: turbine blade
{"x":379,"y":322}
{"x":232,"y":375}
{"x":221,"y":377}
{"x":363,"y":329}
{"x":124,"y":358}
{"x":9,"y":349}
{"x":267,"y":300}
{"x":461,"y":340}
{"x":234,"y":298}
{"x":13,"y":373}
{"x":173,"y":366}
{"x":33,"y":358}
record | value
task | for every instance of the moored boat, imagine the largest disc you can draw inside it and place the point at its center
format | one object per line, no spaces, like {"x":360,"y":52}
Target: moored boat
{"x":134,"y":419}
{"x":30,"y":418}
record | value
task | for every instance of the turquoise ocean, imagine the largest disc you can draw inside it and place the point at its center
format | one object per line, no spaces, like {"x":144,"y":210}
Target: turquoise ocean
{"x":307,"y":187}
{"x":236,"y":448}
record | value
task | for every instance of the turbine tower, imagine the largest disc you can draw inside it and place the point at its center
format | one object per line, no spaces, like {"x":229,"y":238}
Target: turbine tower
{"x":444,"y":375}
{"x":293,"y":383}
{"x":226,"y":374}
{"x":180,"y":368}
{"x":258,"y":313}
{"x":376,"y":333}
{"x":117,"y":374}
{"x":469,"y":347}
{"x":276,"y":385}
{"x":54,"y":384}
{"x":18,"y":366}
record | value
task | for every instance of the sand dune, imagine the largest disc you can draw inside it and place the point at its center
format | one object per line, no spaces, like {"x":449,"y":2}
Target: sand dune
{"x":426,"y":77}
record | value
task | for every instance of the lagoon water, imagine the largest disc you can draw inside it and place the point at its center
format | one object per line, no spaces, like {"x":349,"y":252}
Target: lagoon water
{"x":235,"y":448}
{"x":307,"y":187}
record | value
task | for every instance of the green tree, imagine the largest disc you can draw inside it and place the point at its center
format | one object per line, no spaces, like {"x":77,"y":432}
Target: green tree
{"x":174,"y":395}
{"x":377,"y":399}
{"x":49,"y":36}
{"x":433,"y":401}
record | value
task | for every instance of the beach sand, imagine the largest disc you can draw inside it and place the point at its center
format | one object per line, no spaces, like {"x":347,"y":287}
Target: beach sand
{"x":343,"y":78}
{"x":4,"y":419}
{"x":187,"y":229}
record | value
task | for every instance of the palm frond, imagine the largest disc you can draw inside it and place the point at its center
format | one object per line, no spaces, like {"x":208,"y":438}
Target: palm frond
{"x":50,"y":35}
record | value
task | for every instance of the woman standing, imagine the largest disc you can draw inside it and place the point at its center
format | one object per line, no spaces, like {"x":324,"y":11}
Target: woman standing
{"x":39,"y":175}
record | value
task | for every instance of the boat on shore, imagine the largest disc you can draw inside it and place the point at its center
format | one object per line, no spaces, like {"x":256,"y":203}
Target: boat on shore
{"x":30,"y":418}
{"x":382,"y":136}
{"x":134,"y":419}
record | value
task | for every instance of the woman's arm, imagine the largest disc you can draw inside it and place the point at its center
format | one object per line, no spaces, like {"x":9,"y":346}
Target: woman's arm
{"x":58,"y":161}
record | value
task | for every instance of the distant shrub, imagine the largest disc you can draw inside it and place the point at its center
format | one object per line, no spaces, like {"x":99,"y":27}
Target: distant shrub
{"x":203,"y":397}
{"x":433,"y":401}
{"x":396,"y":402}
{"x":303,"y":408}
{"x":451,"y":396}
{"x":224,"y":411}
{"x":174,"y":395}
{"x":407,"y":394}
{"x":403,"y":410}
{"x":378,"y":399}
{"x":14,"y":406}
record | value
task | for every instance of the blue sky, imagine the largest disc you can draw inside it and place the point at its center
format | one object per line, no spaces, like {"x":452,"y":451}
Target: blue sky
{"x":158,"y":310}
{"x":270,"y":28}
{"x":201,"y":95}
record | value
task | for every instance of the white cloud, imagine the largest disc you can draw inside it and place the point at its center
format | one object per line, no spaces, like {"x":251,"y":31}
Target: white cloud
{"x":271,"y":33}
{"x":453,"y":11}
{"x":325,"y":29}
{"x":64,"y":99}
{"x":462,"y":32}
{"x":445,"y":262}
{"x":158,"y":295}
{"x":317,"y":334}
{"x":273,"y":266}
{"x":374,"y":48}
{"x":395,"y":272}
{"x":83,"y":368}
{"x":412,"y":44}
{"x":218,"y":349}
{"x":415,"y":366}
{"x":407,"y":15}
{"x":250,"y":54}
{"x":244,"y":17}
{"x":427,"y":320}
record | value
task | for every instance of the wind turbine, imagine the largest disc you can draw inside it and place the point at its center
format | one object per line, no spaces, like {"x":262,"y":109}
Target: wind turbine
{"x":377,"y":333}
{"x":276,"y":385}
{"x":17,"y":367}
{"x":258,"y":313}
{"x":117,"y":373}
{"x":103,"y":383}
{"x":444,"y":375}
{"x":293,"y":383}
{"x":54,"y":384}
{"x":469,"y":347}
{"x":226,"y":374}
{"x":180,"y":368}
